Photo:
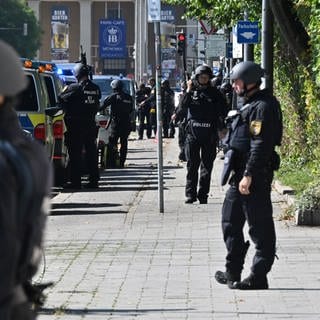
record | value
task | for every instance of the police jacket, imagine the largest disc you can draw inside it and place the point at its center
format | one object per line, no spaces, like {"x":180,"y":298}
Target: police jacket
{"x":204,"y":106}
{"x":80,"y":102}
{"x":21,"y":231}
{"x":264,"y":122}
{"x":151,"y":101}
{"x":121,"y":108}
{"x":167,"y":100}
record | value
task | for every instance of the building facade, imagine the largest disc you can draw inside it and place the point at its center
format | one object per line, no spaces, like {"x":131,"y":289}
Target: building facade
{"x":115,"y":35}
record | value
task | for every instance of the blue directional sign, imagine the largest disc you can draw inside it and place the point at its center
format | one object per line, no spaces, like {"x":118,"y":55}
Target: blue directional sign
{"x":247,"y":32}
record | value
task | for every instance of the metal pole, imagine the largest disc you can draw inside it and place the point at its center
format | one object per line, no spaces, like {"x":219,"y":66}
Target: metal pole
{"x":159,"y":114}
{"x":267,"y":44}
{"x":248,"y":49}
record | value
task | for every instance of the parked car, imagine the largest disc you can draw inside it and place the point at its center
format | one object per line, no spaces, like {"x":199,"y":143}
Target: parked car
{"x":40,"y":114}
{"x":65,"y":71}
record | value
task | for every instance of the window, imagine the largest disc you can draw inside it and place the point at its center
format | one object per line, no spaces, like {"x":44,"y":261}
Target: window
{"x":28,"y":100}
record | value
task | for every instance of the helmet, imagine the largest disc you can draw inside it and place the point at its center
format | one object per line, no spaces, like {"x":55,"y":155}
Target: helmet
{"x":116,"y":84}
{"x":203,"y":69}
{"x":165,"y":83}
{"x":247,"y":71}
{"x":226,"y":87}
{"x":10,"y":66}
{"x":80,"y":70}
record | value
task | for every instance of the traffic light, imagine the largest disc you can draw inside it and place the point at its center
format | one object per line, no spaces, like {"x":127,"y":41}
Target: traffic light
{"x":181,"y":43}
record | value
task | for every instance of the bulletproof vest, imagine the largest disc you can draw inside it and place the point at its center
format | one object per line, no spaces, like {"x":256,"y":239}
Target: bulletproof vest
{"x":238,"y":137}
{"x":201,"y":106}
{"x":123,"y":106}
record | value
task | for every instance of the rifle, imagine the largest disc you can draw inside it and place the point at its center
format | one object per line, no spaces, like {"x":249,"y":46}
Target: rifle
{"x":83,"y":60}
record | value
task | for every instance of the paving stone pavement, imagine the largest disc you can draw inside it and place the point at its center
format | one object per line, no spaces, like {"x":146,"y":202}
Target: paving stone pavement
{"x":112,"y":255}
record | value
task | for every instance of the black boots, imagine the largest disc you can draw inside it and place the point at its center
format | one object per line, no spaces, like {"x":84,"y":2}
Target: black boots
{"x":252,"y":283}
{"x":227,"y":278}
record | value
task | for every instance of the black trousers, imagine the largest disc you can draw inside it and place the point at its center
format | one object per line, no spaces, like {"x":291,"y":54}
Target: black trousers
{"x":199,"y":154}
{"x":256,"y":209}
{"x":79,"y":139}
{"x":144,"y":117}
{"x":121,"y":135}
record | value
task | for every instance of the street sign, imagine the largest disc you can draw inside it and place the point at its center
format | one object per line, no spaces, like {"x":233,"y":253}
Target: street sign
{"x":154,"y":10}
{"x":229,"y":49}
{"x":215,"y":46}
{"x":247,"y":32}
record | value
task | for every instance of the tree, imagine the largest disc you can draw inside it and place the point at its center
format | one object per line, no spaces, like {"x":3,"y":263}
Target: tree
{"x":14,"y":13}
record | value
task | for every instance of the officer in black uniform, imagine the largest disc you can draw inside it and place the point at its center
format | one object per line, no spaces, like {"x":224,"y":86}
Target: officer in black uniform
{"x":205,"y":109}
{"x":253,"y":139}
{"x":167,"y":102}
{"x":143,"y":111}
{"x":151,"y":102}
{"x":81,"y":103}
{"x":25,"y":186}
{"x":121,"y":108}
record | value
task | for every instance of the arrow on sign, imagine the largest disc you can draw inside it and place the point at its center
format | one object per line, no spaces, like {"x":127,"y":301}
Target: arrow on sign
{"x":248,"y":35}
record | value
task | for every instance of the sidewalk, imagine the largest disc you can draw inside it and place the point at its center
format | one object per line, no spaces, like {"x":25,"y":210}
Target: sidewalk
{"x":112,"y":255}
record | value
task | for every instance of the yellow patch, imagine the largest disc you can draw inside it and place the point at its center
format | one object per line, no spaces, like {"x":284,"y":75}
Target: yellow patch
{"x":255,"y":127}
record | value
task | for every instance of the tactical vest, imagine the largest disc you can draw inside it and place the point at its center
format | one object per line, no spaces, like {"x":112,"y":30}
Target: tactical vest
{"x":238,"y":137}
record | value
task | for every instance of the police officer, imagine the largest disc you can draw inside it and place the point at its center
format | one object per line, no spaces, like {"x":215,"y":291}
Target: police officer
{"x":26,"y":180}
{"x":205,"y":108}
{"x":143,"y":111}
{"x":181,"y":121}
{"x":167,"y":101}
{"x":151,"y":103}
{"x":121,"y":108}
{"x":248,"y":199}
{"x":81,"y":103}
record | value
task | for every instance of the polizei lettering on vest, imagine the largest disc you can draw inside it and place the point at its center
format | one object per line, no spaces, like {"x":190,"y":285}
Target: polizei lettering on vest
{"x":201,"y":124}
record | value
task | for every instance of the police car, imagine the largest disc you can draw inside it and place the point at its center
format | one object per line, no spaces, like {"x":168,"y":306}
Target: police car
{"x":40,"y":115}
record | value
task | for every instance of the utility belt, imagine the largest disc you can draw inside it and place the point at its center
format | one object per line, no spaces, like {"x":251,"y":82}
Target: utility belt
{"x":200,"y":130}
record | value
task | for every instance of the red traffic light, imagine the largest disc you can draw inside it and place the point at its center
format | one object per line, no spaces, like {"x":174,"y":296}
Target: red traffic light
{"x":181,"y":37}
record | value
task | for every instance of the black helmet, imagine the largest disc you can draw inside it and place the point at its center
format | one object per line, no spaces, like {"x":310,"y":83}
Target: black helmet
{"x":80,"y":70}
{"x":247,"y":71}
{"x":10,"y":66}
{"x":116,"y":84}
{"x":165,"y":83}
{"x":203,"y":69}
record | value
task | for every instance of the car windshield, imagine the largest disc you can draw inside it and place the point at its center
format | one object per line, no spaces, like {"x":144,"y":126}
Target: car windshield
{"x":104,"y":85}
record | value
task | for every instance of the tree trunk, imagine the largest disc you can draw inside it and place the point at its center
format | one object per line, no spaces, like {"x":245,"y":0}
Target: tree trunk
{"x":292,"y":29}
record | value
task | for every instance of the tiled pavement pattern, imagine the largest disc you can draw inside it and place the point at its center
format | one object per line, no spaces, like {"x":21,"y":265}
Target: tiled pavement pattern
{"x":112,"y":255}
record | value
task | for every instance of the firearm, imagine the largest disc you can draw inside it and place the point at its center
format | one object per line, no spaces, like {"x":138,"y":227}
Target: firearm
{"x":83,"y":60}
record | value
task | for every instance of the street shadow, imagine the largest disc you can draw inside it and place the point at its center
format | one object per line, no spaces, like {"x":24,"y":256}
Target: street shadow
{"x":85,"y":212}
{"x":138,"y":151}
{"x":294,"y":289}
{"x":127,"y":312}
{"x":83,"y":205}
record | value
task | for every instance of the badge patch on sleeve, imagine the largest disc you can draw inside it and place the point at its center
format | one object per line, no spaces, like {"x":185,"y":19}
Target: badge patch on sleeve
{"x":255,"y":127}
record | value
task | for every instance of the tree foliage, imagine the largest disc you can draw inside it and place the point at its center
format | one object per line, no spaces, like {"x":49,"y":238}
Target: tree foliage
{"x":220,"y":13}
{"x":14,"y":13}
{"x":296,"y":68}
